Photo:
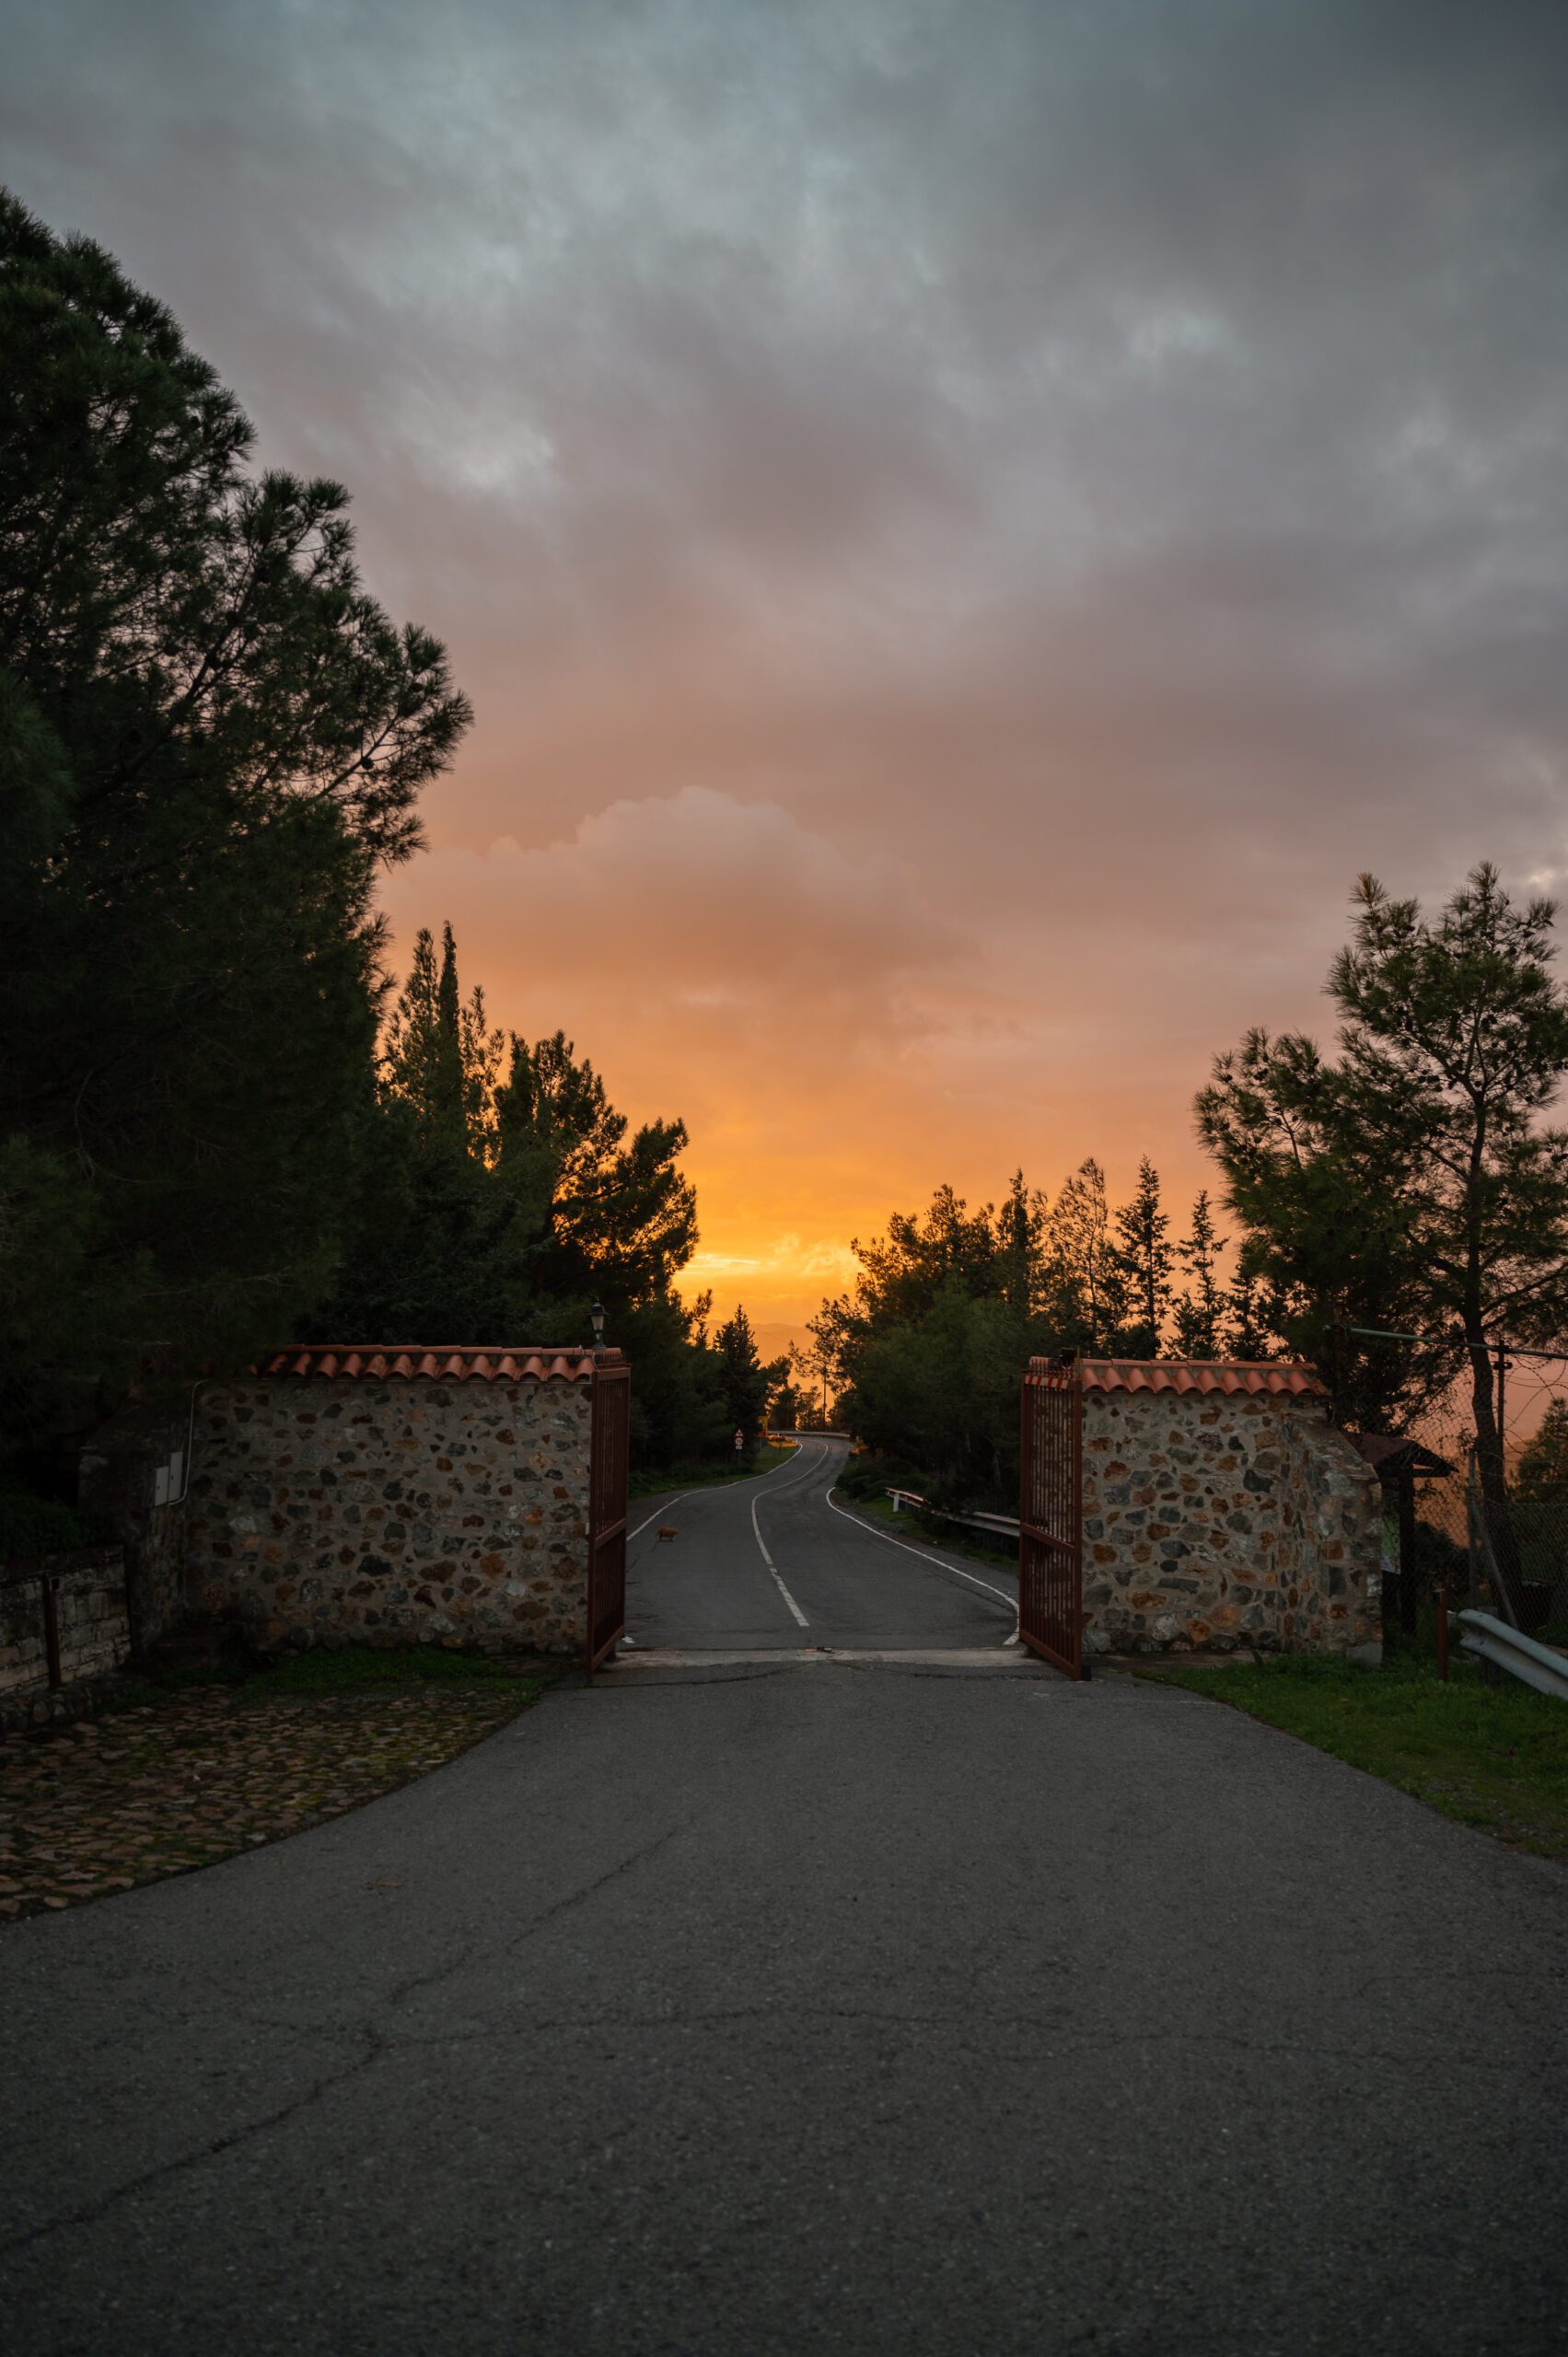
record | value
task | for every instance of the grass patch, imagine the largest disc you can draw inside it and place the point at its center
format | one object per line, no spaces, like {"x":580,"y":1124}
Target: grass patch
{"x":344,"y":1669}
{"x":1492,"y":1756}
{"x":653,"y":1483}
{"x":369,"y":1670}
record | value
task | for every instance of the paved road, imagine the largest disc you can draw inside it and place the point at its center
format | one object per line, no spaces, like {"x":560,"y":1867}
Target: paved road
{"x":777,"y":1562}
{"x":798,"y":2005}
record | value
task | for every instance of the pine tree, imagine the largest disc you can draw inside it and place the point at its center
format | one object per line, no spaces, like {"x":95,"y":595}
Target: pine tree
{"x":1144,"y":1259}
{"x":1542,"y":1469}
{"x":1200,"y":1308}
{"x":744,"y":1381}
{"x":1248,"y":1330}
{"x":608,"y":1213}
{"x":1077,"y":1236}
{"x":441,"y":1057}
{"x":1020,"y":1242}
{"x":1418,"y":1182}
{"x":210,"y":738}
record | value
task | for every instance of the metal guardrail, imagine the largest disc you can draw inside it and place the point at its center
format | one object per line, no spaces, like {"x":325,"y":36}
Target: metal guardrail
{"x":1488,"y":1638}
{"x":1004,"y":1523}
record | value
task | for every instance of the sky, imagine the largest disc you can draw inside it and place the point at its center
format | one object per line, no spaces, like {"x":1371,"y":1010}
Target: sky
{"x":966,"y":526}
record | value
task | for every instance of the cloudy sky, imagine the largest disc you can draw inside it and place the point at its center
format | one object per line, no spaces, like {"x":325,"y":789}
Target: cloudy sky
{"x":966,"y":524}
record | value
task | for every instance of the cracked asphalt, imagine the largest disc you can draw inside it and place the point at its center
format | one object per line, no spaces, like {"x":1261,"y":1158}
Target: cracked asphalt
{"x":808,"y":2004}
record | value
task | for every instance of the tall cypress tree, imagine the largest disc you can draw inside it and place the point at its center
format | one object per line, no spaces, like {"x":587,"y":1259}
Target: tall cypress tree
{"x":1200,"y":1310}
{"x":1083,"y":1259}
{"x":1144,"y":1259}
{"x":744,"y":1382}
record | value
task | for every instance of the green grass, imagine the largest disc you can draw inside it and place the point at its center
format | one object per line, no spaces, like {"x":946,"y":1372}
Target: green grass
{"x":360,"y":1669}
{"x":344,"y":1669}
{"x":654,"y":1482}
{"x":1492,"y":1756}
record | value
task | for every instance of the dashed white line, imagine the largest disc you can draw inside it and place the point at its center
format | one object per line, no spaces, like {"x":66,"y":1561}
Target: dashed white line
{"x":692,"y":1493}
{"x":757,"y":1532}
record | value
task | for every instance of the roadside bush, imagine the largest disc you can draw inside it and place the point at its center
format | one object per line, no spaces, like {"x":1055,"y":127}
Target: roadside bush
{"x":868,"y":1475}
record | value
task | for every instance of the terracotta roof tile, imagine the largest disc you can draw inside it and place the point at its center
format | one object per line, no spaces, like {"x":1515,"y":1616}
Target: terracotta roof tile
{"x":1277,"y":1377}
{"x":435,"y":1363}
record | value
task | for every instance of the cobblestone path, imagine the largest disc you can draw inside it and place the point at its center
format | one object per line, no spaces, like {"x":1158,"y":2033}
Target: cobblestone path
{"x":100,"y":1805}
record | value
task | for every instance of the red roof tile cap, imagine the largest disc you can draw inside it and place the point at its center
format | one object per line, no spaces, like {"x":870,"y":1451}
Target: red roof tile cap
{"x":1280,"y":1379}
{"x":438,"y":1363}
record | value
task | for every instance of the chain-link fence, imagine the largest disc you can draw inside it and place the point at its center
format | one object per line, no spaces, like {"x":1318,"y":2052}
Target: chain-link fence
{"x":1437,"y":1531}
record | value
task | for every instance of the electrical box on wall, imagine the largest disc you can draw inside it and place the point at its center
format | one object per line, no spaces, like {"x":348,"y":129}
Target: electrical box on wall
{"x":167,"y":1481}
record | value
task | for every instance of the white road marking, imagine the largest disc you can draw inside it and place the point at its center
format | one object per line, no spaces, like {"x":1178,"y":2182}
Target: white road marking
{"x":656,"y":1513}
{"x":870,"y":1528}
{"x":757,"y":1532}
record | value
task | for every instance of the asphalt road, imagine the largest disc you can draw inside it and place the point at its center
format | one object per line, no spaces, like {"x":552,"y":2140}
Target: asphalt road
{"x":777,"y":1562}
{"x":809,"y":2004}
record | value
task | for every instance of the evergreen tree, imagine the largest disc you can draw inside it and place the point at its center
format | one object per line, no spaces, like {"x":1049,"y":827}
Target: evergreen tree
{"x":1414,"y":1184}
{"x":1200,"y":1310}
{"x":441,"y":1057}
{"x":1020,"y":1247}
{"x":927,"y":1353}
{"x":1541,"y":1473}
{"x":1248,"y":1330}
{"x":209,"y":737}
{"x":603,"y":1213}
{"x":496,"y":1212}
{"x":744,"y":1382}
{"x":1078,"y":1242}
{"x":1144,"y":1261}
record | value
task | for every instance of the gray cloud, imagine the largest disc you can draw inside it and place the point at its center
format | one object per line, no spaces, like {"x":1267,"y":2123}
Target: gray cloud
{"x":1108,"y":457}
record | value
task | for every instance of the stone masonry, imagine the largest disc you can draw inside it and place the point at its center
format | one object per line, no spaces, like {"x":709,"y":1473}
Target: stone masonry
{"x":327,"y":1509}
{"x":1219,"y":1521}
{"x":92,"y":1622}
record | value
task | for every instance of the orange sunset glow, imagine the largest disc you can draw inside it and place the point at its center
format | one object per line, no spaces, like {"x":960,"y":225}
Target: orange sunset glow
{"x":948,"y":618}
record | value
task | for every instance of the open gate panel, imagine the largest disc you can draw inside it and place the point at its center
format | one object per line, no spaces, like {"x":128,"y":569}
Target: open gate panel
{"x":1051,"y":1545}
{"x":606,"y":1510}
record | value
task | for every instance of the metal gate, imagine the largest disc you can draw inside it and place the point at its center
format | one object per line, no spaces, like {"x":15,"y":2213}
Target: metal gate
{"x":606,"y":1506}
{"x":1050,"y":1517}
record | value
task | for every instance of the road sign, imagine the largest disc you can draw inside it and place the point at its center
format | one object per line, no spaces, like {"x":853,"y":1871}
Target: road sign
{"x":740,"y":1440}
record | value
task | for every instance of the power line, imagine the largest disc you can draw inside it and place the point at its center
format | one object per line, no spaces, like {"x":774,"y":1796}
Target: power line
{"x":1446,"y":1342}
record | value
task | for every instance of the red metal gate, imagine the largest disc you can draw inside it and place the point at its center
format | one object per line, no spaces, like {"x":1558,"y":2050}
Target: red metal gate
{"x":1050,"y":1518}
{"x":606,"y":1506}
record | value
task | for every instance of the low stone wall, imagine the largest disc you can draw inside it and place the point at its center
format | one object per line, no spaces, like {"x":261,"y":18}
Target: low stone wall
{"x":335,"y":1512}
{"x":88,"y":1587}
{"x":1222,"y":1521}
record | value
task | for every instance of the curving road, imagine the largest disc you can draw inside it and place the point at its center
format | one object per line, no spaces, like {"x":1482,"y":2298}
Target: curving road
{"x":780,"y":1562}
{"x":881,"y":2002}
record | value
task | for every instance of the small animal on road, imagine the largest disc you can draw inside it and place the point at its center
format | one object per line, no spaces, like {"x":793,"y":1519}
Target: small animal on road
{"x":666,"y":1530}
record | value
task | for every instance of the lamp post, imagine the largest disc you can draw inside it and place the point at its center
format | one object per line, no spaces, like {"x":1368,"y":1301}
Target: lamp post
{"x":596,"y":1315}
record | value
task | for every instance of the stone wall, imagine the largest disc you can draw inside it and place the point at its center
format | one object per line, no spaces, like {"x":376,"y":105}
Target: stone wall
{"x":335,"y":1512}
{"x":91,"y":1615}
{"x":1220,"y":1520}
